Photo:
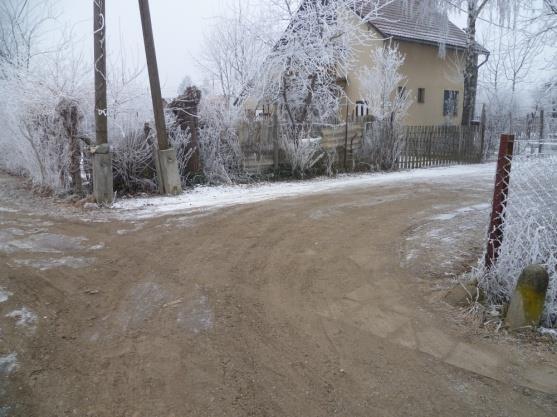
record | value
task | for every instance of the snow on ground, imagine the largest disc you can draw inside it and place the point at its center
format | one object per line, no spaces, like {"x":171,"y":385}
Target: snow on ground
{"x":224,"y":196}
{"x":548,"y":332}
{"x":52,"y":263}
{"x":4,"y":295}
{"x":24,"y":317}
{"x":460,"y":211}
{"x":8,"y":364}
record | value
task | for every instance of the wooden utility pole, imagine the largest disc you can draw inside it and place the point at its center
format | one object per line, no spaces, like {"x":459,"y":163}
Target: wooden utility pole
{"x":102,"y":159}
{"x":167,"y":163}
{"x":153,"y":70}
{"x":100,"y":73}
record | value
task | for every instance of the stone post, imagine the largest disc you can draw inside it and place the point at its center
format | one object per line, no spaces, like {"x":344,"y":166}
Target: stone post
{"x":102,"y":174}
{"x":527,"y":302}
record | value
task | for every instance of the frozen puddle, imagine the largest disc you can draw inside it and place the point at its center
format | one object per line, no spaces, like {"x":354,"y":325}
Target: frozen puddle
{"x":151,"y":304}
{"x":42,"y":243}
{"x":52,"y":263}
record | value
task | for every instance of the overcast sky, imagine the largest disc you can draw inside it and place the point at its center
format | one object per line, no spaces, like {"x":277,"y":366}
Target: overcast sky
{"x":178,"y":27}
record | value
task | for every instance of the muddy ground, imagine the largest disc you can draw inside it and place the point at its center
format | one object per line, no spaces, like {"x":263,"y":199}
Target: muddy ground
{"x":327,"y":305}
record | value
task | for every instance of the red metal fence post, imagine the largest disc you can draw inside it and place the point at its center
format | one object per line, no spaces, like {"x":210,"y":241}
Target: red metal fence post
{"x":500,"y":195}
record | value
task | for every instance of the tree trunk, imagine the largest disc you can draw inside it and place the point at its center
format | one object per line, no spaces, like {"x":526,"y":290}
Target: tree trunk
{"x":471,"y":67}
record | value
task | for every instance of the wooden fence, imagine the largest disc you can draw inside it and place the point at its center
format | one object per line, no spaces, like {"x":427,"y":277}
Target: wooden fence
{"x":433,"y":146}
{"x":423,"y":146}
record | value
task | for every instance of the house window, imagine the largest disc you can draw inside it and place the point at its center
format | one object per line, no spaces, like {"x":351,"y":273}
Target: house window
{"x":554,"y":113}
{"x":421,"y":95}
{"x":450,"y":103}
{"x":401,"y":91}
{"x":362,"y":108}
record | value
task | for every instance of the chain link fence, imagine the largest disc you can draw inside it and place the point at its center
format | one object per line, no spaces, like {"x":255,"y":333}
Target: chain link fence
{"x":523,"y":228}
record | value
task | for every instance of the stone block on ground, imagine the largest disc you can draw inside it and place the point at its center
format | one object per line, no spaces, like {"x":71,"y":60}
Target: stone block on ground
{"x":527,"y":303}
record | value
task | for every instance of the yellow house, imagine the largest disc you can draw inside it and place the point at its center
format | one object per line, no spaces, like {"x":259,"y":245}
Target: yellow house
{"x":434,"y":80}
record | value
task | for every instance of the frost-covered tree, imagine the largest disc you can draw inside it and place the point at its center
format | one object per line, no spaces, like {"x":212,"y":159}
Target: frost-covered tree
{"x":22,"y":27}
{"x":388,"y":103}
{"x":219,"y":144}
{"x":300,"y":74}
{"x":184,"y":84}
{"x":540,"y":19}
{"x":233,"y":50}
{"x":506,"y":79}
{"x":47,"y":106}
{"x":384,"y":84}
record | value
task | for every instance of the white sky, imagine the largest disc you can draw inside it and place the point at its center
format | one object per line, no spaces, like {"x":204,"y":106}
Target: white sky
{"x":178,"y":27}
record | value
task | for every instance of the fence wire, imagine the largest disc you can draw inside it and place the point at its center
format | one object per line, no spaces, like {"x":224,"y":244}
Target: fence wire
{"x":528,"y":229}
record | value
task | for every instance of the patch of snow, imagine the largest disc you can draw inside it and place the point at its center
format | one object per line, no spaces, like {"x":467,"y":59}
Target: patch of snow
{"x":137,"y":227}
{"x":4,"y":295}
{"x":97,"y":247}
{"x":548,"y":332}
{"x":43,"y":243}
{"x":8,"y":364}
{"x":327,"y":211}
{"x":196,"y":316}
{"x":142,"y":302}
{"x":224,"y":196}
{"x":24,"y":317}
{"x":7,"y":210}
{"x":46,"y":264}
{"x":15,"y":231}
{"x":462,"y":210}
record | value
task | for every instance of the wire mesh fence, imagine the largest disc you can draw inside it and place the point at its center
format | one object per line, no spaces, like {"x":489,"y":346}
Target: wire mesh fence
{"x":523,"y":230}
{"x":534,"y":133}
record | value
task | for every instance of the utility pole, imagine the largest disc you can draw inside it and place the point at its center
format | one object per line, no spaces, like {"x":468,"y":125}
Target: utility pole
{"x":102,"y":158}
{"x":168,"y":164}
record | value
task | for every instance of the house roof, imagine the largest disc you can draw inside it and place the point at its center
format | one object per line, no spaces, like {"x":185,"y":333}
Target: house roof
{"x":398,"y":21}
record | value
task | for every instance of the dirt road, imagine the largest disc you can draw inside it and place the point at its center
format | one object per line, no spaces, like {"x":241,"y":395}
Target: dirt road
{"x":324,"y":305}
